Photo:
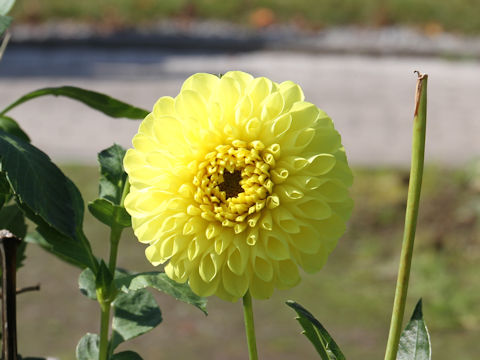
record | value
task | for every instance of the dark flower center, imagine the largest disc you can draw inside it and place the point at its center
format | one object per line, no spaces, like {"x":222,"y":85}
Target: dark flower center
{"x":231,"y":184}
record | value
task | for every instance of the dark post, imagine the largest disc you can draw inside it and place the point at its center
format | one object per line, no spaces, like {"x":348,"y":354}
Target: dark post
{"x":8,"y":249}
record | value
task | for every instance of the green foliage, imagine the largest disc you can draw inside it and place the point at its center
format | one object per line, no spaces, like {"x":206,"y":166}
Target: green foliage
{"x":40,"y":186}
{"x":316,"y":333}
{"x":6,"y":6}
{"x":112,"y":174}
{"x":126,"y":355}
{"x":104,"y":285}
{"x":76,"y":251}
{"x":113,"y":179}
{"x":48,"y":198}
{"x":5,"y":191}
{"x":135,"y":313}
{"x":106,"y":104}
{"x":161,"y":282}
{"x":10,"y":126}
{"x":5,"y":22}
{"x":87,"y":348}
{"x":109,"y":214}
{"x":87,"y":284}
{"x":415,"y":340}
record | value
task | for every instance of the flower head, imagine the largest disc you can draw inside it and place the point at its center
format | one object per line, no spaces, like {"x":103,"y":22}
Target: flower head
{"x":236,"y":183}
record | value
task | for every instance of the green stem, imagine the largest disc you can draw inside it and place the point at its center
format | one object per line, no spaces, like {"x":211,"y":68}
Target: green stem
{"x":249,"y":326}
{"x":115,"y":235}
{"x":416,"y":173}
{"x":104,"y":327}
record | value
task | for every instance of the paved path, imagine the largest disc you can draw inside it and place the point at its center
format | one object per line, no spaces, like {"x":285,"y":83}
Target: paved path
{"x":369,"y":98}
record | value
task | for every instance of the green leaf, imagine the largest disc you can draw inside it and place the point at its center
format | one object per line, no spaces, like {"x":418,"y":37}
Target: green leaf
{"x":5,"y":22}
{"x":110,"y":214}
{"x":126,"y":355}
{"x":87,"y":348}
{"x":316,"y":333}
{"x":160,"y":281}
{"x":5,"y":191}
{"x":31,"y":358}
{"x":135,"y":313}
{"x":11,"y":127}
{"x":415,"y":340}
{"x":40,"y":185}
{"x":106,"y":104}
{"x":106,"y":290}
{"x":112,"y":174}
{"x":71,"y":250}
{"x":48,"y":198}
{"x":86,"y":284}
{"x":12,"y":219}
{"x":6,"y":6}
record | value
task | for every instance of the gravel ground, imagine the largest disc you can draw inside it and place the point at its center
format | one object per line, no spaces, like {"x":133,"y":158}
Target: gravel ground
{"x":369,"y":97}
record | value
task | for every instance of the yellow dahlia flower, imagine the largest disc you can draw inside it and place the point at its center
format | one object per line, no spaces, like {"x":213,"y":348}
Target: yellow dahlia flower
{"x":236,"y":183}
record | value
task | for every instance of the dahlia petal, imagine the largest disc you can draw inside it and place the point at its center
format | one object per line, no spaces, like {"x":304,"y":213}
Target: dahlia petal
{"x":222,"y":242}
{"x":208,"y":268}
{"x":261,"y":289}
{"x":343,"y":209}
{"x":291,"y":93}
{"x":197,"y":247}
{"x":281,"y":125}
{"x":276,"y":248}
{"x":272,"y":106}
{"x":153,"y":255}
{"x":258,"y":90}
{"x":144,"y":143}
{"x":279,"y":175}
{"x":235,"y":285}
{"x":285,"y":220}
{"x":243,"y":110}
{"x":308,"y":240}
{"x":253,"y":128}
{"x":313,"y":262}
{"x":191,"y":107}
{"x":242,"y":78}
{"x":320,"y":164}
{"x":325,"y":141}
{"x":266,"y":222}
{"x":177,"y":273}
{"x":227,"y":95}
{"x":304,"y":115}
{"x":297,"y":141}
{"x":312,"y":208}
{"x":164,"y":106}
{"x":201,"y":287}
{"x":287,"y":274}
{"x":333,"y":191}
{"x":262,"y":267}
{"x":203,"y":84}
{"x":288,"y":193}
{"x":169,"y":132}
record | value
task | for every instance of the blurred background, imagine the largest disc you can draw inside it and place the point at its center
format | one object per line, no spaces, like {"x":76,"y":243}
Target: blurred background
{"x":354,"y":59}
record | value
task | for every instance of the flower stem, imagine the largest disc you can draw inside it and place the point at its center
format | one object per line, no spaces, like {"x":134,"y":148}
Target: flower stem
{"x":115,"y":235}
{"x":249,"y":326}
{"x":104,"y":327}
{"x":416,"y":173}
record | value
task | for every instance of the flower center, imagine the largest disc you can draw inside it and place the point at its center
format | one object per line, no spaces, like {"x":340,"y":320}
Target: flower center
{"x":233,"y":184}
